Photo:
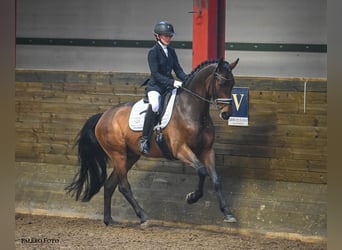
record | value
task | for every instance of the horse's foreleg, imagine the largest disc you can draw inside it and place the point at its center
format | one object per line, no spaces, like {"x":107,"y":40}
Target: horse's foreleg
{"x":208,"y":165}
{"x":208,"y":158}
{"x":186,"y":155}
{"x":109,"y":188}
{"x":228,"y":216}
{"x":198,"y":193}
{"x":125,"y":189}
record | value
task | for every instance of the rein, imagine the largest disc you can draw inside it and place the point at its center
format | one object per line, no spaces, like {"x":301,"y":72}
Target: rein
{"x":227,"y":101}
{"x":198,"y":96}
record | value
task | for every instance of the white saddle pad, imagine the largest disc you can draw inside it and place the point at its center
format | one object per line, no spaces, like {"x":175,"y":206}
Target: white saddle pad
{"x":137,"y":116}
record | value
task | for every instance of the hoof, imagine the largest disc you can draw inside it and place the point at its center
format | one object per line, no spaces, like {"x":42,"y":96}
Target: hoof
{"x":109,"y":222}
{"x":189,"y":198}
{"x":143,"y":218}
{"x":229,"y":218}
{"x":192,"y":197}
{"x":145,"y":224}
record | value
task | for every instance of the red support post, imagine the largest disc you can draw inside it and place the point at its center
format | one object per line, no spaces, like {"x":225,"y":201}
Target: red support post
{"x":221,"y":28}
{"x":208,"y":39}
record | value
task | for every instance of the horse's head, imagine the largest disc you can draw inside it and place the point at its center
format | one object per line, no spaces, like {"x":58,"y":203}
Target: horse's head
{"x":212,"y":82}
{"x":221,"y":86}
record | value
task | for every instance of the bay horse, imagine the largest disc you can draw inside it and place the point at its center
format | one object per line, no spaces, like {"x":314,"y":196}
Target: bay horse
{"x":190,"y":136}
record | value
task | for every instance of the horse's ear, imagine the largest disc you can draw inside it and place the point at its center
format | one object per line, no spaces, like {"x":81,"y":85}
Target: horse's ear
{"x":233,"y":64}
{"x":220,"y":63}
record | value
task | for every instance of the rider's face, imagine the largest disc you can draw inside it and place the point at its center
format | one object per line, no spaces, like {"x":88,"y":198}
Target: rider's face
{"x":165,"y":39}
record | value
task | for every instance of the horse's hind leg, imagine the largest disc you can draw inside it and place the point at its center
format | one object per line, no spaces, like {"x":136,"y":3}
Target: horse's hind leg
{"x":125,"y":189}
{"x":109,"y":188}
{"x":122,"y":164}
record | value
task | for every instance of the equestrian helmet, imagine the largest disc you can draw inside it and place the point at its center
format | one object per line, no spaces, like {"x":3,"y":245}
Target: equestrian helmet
{"x":164,"y":28}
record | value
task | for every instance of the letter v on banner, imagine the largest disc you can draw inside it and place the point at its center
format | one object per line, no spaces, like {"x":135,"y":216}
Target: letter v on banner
{"x":240,"y":107}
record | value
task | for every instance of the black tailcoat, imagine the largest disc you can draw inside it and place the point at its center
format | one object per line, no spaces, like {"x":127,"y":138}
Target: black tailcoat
{"x":161,"y":67}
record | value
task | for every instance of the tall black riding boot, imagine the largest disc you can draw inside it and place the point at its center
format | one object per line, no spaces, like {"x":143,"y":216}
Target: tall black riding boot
{"x":150,"y":119}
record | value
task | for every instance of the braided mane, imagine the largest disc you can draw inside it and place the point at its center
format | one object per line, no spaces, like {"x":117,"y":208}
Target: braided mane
{"x":197,"y":69}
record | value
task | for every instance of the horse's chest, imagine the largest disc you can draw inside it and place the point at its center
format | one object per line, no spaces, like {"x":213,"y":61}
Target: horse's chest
{"x":206,"y":123}
{"x":203,"y":134}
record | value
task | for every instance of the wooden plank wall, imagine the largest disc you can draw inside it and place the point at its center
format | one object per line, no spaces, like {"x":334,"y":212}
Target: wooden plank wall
{"x":282,"y":142}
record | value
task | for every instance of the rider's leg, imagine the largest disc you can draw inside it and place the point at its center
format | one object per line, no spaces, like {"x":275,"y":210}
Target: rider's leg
{"x":154,"y":99}
{"x":150,"y":119}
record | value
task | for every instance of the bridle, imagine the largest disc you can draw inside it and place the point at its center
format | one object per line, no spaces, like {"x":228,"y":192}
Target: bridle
{"x":226,"y":101}
{"x":214,"y":101}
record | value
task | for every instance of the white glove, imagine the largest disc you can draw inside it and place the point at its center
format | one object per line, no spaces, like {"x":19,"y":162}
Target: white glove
{"x":177,"y":84}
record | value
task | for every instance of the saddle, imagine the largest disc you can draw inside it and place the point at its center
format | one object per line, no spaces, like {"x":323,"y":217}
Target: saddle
{"x":137,"y":117}
{"x":163,"y":105}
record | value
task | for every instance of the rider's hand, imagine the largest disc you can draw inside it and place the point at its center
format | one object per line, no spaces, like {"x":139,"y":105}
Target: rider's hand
{"x":177,"y":84}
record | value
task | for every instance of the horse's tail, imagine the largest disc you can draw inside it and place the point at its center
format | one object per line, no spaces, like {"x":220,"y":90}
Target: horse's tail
{"x":92,"y":171}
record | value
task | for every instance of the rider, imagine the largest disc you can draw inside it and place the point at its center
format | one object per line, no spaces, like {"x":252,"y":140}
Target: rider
{"x":162,"y":59}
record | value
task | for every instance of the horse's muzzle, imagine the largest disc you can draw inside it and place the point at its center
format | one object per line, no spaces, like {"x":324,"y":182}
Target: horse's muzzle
{"x":225,"y":115}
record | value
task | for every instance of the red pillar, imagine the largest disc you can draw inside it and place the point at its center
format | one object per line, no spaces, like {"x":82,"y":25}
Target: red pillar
{"x":208,"y":39}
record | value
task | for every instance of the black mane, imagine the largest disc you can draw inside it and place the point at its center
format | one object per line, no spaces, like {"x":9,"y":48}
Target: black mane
{"x":198,"y":68}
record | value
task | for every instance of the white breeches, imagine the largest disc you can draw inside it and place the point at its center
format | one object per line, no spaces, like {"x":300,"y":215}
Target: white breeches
{"x":154,"y":99}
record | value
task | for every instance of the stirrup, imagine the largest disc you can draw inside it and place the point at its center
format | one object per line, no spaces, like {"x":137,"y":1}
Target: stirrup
{"x":143,"y":145}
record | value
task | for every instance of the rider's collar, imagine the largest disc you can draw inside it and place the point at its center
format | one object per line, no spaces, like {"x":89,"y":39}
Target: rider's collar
{"x":162,"y":45}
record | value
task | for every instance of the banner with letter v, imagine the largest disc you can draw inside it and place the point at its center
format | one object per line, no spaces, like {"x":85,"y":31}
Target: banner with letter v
{"x":240,"y":107}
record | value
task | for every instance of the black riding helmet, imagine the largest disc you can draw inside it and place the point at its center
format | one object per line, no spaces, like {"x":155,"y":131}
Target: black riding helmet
{"x":164,"y":28}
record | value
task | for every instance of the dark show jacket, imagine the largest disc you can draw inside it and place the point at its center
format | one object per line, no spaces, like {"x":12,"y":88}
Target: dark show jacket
{"x":161,"y":67}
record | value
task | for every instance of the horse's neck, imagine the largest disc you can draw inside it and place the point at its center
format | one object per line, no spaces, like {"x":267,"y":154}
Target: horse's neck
{"x":194,"y":105}
{"x":200,"y":81}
